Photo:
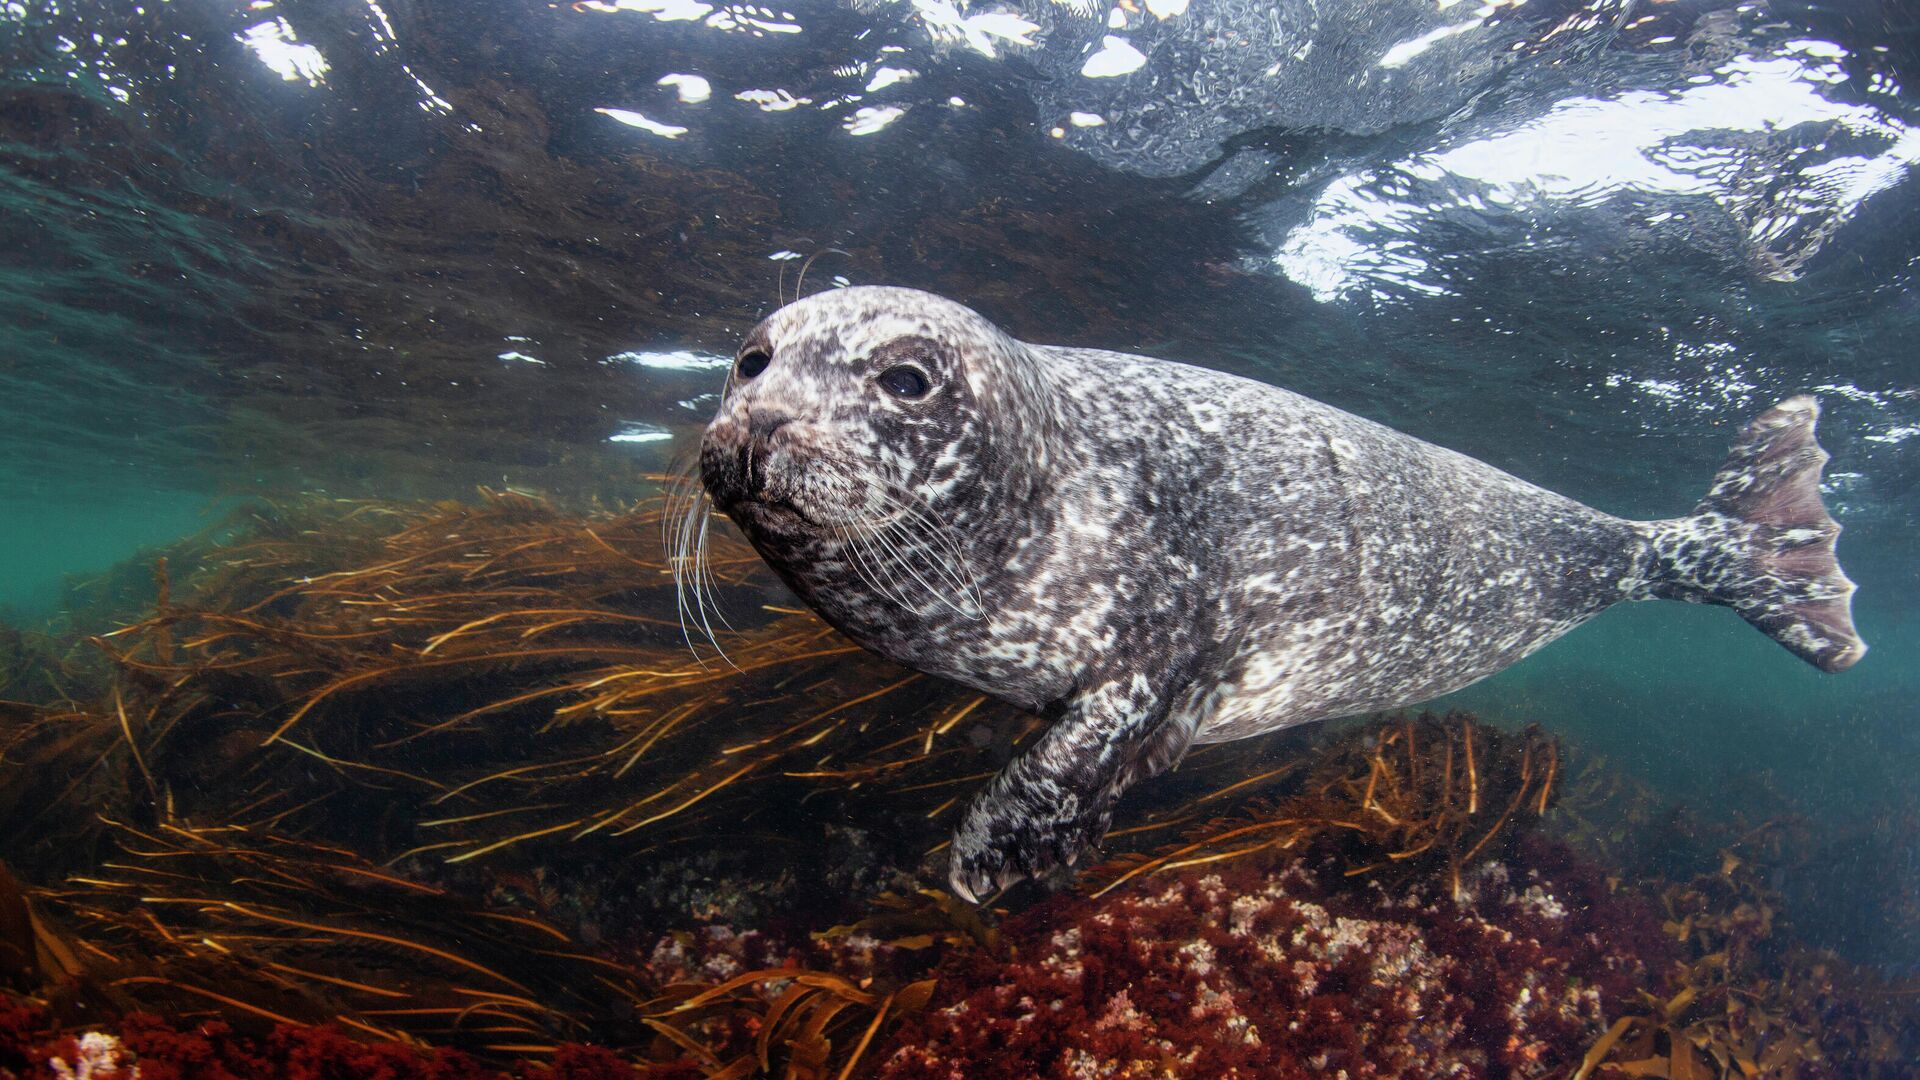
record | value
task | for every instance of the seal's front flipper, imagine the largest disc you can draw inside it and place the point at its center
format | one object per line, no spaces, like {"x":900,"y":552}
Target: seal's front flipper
{"x":1054,"y":802}
{"x":1761,"y":542}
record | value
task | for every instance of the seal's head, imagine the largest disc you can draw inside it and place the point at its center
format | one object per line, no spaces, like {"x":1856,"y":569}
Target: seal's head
{"x":851,"y":407}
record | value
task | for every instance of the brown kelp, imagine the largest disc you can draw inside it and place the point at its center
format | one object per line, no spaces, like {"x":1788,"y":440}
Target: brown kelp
{"x":333,"y":763}
{"x":1745,"y":1000}
{"x":1427,"y":789}
{"x":34,"y":668}
{"x":503,"y":673}
{"x":184,"y":918}
{"x":795,"y":1023}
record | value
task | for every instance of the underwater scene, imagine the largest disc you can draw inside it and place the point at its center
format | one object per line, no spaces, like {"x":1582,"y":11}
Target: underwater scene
{"x":835,"y":539}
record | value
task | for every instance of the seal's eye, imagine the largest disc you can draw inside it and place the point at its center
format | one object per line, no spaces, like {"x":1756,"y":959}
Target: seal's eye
{"x":752,"y":363}
{"x":903,"y":381}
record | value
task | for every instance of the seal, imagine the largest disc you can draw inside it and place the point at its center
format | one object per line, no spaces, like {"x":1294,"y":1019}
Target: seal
{"x":1151,"y":554}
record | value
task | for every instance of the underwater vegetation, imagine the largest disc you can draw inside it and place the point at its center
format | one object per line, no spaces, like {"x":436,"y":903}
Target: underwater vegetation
{"x":1394,"y":916}
{"x":506,"y":673}
{"x":1745,"y":999}
{"x":1277,"y":968}
{"x":357,"y":789}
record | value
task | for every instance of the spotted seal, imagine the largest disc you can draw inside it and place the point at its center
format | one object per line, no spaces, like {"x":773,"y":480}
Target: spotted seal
{"x":1151,"y":554}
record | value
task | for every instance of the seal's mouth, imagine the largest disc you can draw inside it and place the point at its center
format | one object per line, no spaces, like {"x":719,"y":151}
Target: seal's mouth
{"x":776,"y":514}
{"x":743,"y":486}
{"x":778,"y":490}
{"x":783,"y":508}
{"x":787,"y":508}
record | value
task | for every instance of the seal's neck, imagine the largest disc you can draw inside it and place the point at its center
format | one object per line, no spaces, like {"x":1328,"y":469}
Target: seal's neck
{"x":1028,"y":454}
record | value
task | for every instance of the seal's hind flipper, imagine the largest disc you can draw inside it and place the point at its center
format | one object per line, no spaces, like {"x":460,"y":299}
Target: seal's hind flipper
{"x":1761,"y":542}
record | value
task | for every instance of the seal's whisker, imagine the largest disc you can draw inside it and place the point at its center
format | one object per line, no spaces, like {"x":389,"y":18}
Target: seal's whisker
{"x":955,"y":566}
{"x":856,"y":534}
{"x":682,"y":555}
{"x":685,"y":525}
{"x":858,"y":560}
{"x":913,"y":542}
{"x":886,"y":554}
{"x":912,"y":538}
{"x":801,"y":282}
{"x":672,"y":541}
{"x":703,"y":565}
{"x":890,"y":582}
{"x":903,"y":547}
{"x":940,"y":557}
{"x":706,"y":589}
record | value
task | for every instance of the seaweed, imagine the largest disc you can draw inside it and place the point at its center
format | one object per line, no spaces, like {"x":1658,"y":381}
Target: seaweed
{"x":456,"y":682}
{"x":34,"y":669}
{"x":1280,"y":964}
{"x":1404,"y":792}
{"x":1747,"y":999}
{"x":330,"y":776}
{"x":289,"y":931}
{"x":797,"y":1015}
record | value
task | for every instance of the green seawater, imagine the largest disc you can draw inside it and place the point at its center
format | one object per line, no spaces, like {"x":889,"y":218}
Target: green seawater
{"x":50,"y":542}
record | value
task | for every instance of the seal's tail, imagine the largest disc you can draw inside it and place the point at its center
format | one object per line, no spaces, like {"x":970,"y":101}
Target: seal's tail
{"x":1761,"y":542}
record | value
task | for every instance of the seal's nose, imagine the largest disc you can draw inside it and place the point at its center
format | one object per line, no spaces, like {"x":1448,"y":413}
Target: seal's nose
{"x":735,"y":450}
{"x":762,"y":423}
{"x":755,"y":449}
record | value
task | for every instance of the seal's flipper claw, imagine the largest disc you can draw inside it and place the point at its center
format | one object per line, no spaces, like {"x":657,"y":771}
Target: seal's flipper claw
{"x":957,"y":881}
{"x":979,"y":872}
{"x":1071,"y":846}
{"x":994,"y":857}
{"x":1007,"y":879}
{"x":978,"y":865}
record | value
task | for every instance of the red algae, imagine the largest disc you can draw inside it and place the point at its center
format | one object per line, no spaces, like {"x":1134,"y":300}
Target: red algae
{"x":150,"y":1048}
{"x":18,"y":1027}
{"x":579,"y":1062}
{"x":1286,"y":967}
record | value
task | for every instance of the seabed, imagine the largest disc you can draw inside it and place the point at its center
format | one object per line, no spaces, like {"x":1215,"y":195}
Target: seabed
{"x":360,"y":789}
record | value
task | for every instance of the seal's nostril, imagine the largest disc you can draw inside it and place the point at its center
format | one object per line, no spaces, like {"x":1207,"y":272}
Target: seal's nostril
{"x":762,"y":424}
{"x":755,"y":450}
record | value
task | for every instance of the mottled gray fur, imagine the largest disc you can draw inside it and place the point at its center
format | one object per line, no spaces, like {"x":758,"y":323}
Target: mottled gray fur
{"x":1152,"y":554}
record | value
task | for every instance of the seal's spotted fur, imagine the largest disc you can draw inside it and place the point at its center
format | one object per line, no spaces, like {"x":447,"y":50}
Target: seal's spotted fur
{"x":1153,"y":554}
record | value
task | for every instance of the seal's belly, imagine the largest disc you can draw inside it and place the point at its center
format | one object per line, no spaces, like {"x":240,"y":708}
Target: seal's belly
{"x":1325,"y":668}
{"x":1419,"y":572}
